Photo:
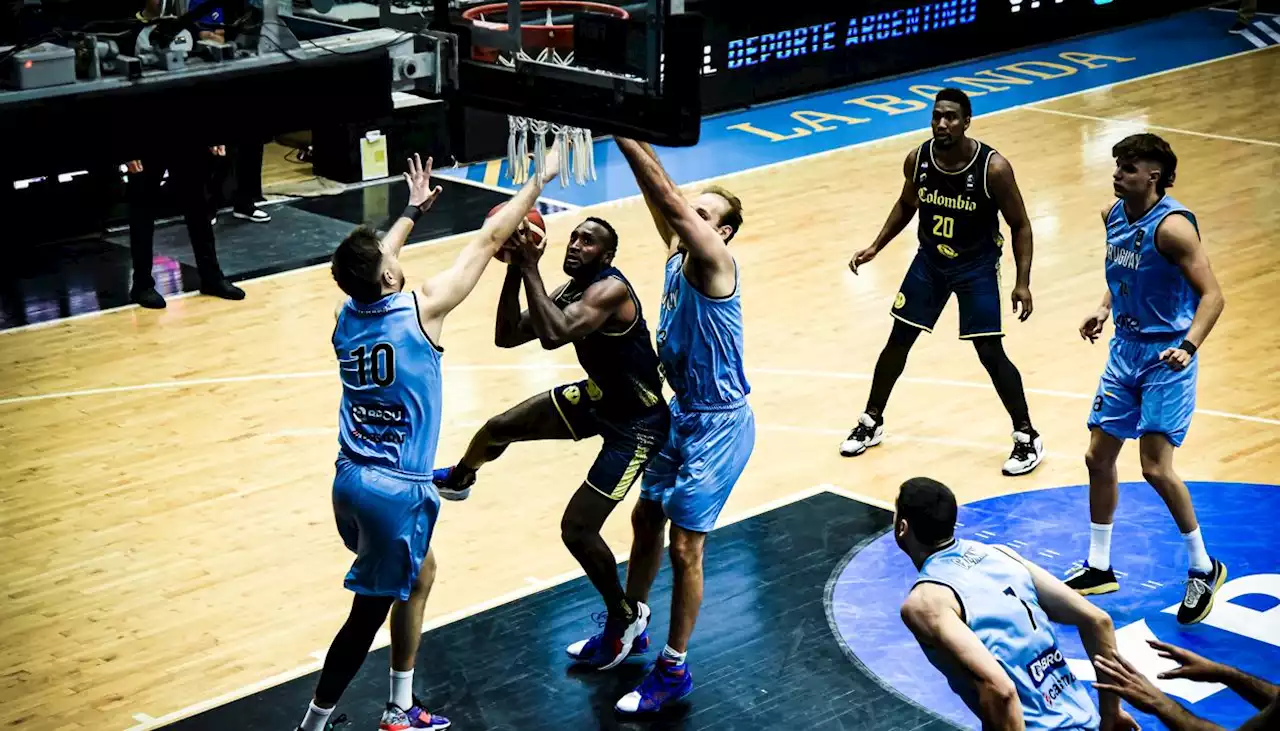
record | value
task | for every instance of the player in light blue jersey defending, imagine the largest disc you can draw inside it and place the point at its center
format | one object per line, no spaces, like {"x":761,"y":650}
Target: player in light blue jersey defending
{"x":982,"y":617}
{"x":700,"y":346}
{"x":1165,"y":300}
{"x":387,"y":343}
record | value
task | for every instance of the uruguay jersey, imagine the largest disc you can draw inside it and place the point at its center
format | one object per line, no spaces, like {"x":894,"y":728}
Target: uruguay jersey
{"x":391,"y":392}
{"x":998,"y":601}
{"x":700,"y":343}
{"x":1150,"y":296}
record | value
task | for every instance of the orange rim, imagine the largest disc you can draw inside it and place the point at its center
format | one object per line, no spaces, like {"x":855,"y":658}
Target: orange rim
{"x":535,"y":37}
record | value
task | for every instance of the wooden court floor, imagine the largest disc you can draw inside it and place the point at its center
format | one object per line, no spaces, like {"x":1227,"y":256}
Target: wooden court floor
{"x":164,"y":477}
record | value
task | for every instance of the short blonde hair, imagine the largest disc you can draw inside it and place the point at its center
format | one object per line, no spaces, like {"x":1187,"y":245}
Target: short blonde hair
{"x":733,"y":217}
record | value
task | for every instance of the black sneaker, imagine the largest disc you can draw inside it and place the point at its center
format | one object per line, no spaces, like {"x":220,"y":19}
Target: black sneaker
{"x":1200,"y":590}
{"x":866,"y":433}
{"x":1087,"y":580}
{"x":341,"y":720}
{"x":222,"y":288}
{"x":147,"y":297}
{"x":451,"y":488}
{"x":1239,"y":27}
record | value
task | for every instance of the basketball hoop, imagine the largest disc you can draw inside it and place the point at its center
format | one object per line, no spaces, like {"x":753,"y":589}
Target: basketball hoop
{"x":553,"y":44}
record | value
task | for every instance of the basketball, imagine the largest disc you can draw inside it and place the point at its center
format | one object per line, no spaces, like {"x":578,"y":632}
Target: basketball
{"x":532,"y":223}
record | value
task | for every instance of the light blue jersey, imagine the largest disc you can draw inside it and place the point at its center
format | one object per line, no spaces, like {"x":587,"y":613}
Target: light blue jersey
{"x":700,"y":344}
{"x":1150,"y":297}
{"x":999,"y":602}
{"x":391,"y":390}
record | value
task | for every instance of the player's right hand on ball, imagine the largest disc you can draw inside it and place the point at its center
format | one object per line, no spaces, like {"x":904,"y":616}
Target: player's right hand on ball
{"x":1091,"y":328}
{"x":862,"y":257}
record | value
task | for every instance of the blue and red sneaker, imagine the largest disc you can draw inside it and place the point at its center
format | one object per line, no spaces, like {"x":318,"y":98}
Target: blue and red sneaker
{"x":449,"y":487}
{"x":666,"y":683}
{"x":394,"y":718}
{"x":615,"y":643}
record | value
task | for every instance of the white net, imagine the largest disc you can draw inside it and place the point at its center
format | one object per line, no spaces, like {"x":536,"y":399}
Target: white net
{"x":576,"y":148}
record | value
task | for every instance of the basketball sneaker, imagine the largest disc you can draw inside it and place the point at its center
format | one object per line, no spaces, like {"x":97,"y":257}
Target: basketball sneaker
{"x":1028,"y":451}
{"x":451,"y":488}
{"x":866,"y":433}
{"x":1201,"y":587}
{"x":341,"y":720}
{"x":666,"y":683}
{"x":1087,"y":580}
{"x":395,"y":718}
{"x":1238,"y":27}
{"x":615,"y":643}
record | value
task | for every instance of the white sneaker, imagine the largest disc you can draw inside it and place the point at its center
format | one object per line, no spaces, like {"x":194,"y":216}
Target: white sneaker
{"x":258,"y":216}
{"x":866,"y":433}
{"x":1026,"y":456}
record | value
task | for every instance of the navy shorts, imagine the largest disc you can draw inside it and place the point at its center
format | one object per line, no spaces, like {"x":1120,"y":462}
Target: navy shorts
{"x":631,"y":441}
{"x":1140,"y":394}
{"x":386,"y":518}
{"x":926,"y":289}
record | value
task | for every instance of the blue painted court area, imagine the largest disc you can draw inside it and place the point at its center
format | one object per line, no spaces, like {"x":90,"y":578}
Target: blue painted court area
{"x":1050,"y":527}
{"x":807,"y":125}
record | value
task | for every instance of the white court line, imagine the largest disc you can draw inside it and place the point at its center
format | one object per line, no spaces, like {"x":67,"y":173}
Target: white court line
{"x":1233,"y":12}
{"x":1262,"y":26}
{"x":859,"y":497}
{"x":383,"y":637}
{"x":508,"y":191}
{"x":803,"y":373}
{"x":704,"y":181}
{"x":1256,"y":41}
{"x":1143,"y":125}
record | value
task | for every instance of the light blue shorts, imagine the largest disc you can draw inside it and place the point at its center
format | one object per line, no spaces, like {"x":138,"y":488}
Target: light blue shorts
{"x":1139,"y":394}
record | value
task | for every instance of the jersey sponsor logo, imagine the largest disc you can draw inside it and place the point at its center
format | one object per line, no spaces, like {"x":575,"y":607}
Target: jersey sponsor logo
{"x":378,"y":414}
{"x":1048,"y":661}
{"x":1243,"y":629}
{"x":387,"y":437}
{"x":947,"y":251}
{"x":900,"y":301}
{"x":958,"y":203}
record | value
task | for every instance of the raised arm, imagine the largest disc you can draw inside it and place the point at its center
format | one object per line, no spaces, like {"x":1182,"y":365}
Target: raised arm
{"x":1008,"y":198}
{"x":904,"y":209}
{"x":932,"y":613}
{"x":421,"y":197}
{"x":700,"y":238}
{"x":1178,"y":241}
{"x":664,"y":229}
{"x":445,"y":291}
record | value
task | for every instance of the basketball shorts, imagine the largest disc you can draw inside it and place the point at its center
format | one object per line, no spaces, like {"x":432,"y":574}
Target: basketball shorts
{"x":386,"y":518}
{"x":926,"y":288}
{"x":1139,"y":394}
{"x":701,"y":462}
{"x":630,"y":442}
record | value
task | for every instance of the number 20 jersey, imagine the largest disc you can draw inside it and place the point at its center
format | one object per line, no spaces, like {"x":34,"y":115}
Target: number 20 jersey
{"x":391,"y":385}
{"x":959,"y":220}
{"x":999,"y":602}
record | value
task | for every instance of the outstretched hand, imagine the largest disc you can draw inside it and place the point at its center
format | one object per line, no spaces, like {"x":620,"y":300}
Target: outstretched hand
{"x":421,"y":194}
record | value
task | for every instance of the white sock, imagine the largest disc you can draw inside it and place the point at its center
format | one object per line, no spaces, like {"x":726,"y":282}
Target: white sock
{"x":1199,"y":556}
{"x":1100,"y":545}
{"x":316,"y":716}
{"x":673,"y":656}
{"x":402,"y":689}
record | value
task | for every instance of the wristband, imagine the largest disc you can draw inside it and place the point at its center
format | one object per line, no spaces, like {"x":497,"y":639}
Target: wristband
{"x":1188,"y":346}
{"x":411,"y":212}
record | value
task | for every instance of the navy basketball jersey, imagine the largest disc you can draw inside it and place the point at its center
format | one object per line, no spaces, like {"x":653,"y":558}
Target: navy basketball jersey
{"x":701,"y":343}
{"x":1150,"y":296}
{"x":620,"y":362}
{"x":391,"y":387}
{"x":999,"y":602}
{"x":959,"y":220}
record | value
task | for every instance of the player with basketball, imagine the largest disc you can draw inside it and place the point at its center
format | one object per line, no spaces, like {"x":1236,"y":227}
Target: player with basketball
{"x":387,"y":344}
{"x":1165,"y":300}
{"x":982,"y":616}
{"x":620,"y":400}
{"x":700,"y":342}
{"x":959,"y":185}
